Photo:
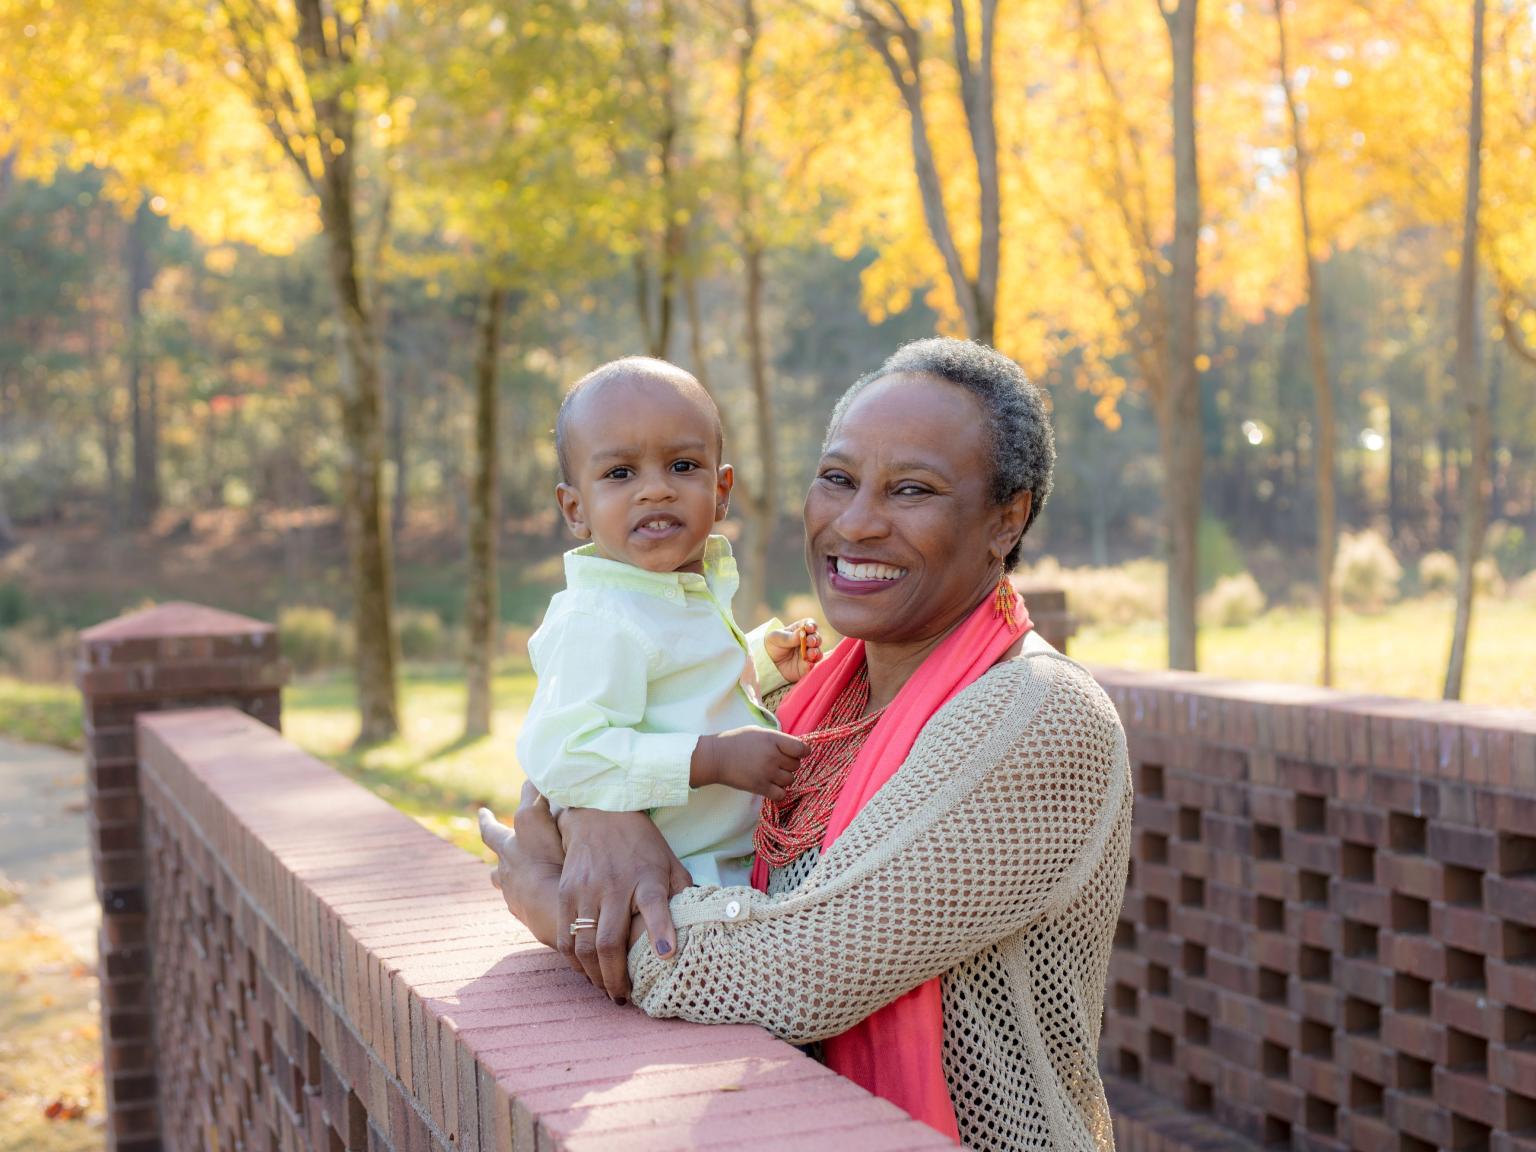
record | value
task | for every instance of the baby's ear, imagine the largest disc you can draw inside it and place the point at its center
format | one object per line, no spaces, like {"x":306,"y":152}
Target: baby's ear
{"x":725,"y":480}
{"x":568,"y":497}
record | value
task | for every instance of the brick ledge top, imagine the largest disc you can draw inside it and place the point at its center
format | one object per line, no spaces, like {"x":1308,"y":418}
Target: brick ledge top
{"x":177,"y":618}
{"x":1310,"y":695}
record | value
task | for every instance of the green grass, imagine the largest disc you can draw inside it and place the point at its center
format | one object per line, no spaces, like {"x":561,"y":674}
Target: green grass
{"x":428,"y":771}
{"x":40,"y":713}
{"x":1401,"y":652}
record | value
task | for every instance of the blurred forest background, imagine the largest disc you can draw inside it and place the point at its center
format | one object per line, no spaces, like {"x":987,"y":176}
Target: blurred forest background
{"x":290,"y":289}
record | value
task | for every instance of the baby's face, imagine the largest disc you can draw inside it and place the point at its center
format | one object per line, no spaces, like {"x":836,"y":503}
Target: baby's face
{"x":646,"y":483}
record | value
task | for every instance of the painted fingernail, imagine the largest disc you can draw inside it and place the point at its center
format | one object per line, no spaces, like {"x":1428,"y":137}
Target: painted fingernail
{"x":621,"y":1000}
{"x":663,"y":947}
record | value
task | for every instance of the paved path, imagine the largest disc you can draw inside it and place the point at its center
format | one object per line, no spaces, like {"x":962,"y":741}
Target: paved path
{"x":43,"y":847}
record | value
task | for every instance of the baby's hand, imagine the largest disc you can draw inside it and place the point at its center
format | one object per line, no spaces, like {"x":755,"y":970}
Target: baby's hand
{"x":749,"y":759}
{"x":794,"y":649}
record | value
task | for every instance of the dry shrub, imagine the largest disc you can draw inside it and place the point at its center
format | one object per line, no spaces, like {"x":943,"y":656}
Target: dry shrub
{"x":1437,"y":572}
{"x":1131,"y":593}
{"x":31,"y":652}
{"x":312,"y":638}
{"x":1365,"y":572}
{"x":1235,"y":602}
{"x":422,"y":634}
{"x":1487,"y":580}
{"x":1511,"y":548}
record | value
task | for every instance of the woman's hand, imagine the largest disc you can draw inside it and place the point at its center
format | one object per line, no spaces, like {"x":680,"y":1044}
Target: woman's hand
{"x":528,"y":863}
{"x":616,"y":865}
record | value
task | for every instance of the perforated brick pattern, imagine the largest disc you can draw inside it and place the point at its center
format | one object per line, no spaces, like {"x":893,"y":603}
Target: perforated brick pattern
{"x":238,"y":1022}
{"x":1329,"y":937}
{"x":329,"y":975}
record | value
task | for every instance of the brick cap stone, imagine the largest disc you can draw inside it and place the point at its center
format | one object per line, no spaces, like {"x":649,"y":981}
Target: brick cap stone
{"x":176,"y":619}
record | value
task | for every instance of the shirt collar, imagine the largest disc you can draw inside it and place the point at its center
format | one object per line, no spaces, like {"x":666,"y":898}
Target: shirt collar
{"x":584,"y":568}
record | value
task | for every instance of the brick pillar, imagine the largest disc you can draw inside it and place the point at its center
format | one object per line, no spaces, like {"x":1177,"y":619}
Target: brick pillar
{"x":171,"y":656}
{"x":1048,"y":612}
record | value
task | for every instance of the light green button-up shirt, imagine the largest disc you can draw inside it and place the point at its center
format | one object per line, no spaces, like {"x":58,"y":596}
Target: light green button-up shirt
{"x":633,"y":667}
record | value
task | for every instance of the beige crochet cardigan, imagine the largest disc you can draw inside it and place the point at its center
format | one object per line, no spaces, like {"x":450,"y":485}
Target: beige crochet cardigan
{"x":996,"y":858}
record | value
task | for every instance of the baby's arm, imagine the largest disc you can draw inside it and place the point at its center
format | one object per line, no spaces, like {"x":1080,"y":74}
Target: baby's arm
{"x":580,"y":747}
{"x":578,"y":744}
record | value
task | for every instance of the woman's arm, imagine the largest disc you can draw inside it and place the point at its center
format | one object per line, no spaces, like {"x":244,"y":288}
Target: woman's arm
{"x":997,"y":819}
{"x":528,"y":863}
{"x":616,"y":870}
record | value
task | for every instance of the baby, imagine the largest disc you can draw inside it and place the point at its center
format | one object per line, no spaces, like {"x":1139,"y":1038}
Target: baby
{"x":649,"y":694}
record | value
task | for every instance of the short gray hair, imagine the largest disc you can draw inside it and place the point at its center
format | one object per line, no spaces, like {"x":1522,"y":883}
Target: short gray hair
{"x":1023,"y":448}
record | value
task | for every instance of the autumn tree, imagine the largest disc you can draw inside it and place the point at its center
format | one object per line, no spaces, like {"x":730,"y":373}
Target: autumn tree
{"x":1180,"y":424}
{"x":1324,"y":452}
{"x":896,"y":35}
{"x":505,"y":126}
{"x":143,"y":390}
{"x":1469,"y":382}
{"x":761,"y":500}
{"x":300,"y":64}
{"x":294,"y":67}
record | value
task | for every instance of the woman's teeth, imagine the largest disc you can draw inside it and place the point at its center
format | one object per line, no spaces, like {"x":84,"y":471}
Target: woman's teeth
{"x":868,"y":571}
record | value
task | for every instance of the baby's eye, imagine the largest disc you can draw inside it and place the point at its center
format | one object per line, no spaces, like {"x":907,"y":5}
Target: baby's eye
{"x":622,"y":472}
{"x":681,"y":466}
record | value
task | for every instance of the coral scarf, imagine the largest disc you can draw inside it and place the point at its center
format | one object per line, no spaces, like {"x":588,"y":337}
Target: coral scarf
{"x":898,"y":1052}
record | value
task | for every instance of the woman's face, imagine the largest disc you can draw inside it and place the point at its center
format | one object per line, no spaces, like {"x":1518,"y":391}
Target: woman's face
{"x":901,"y":537}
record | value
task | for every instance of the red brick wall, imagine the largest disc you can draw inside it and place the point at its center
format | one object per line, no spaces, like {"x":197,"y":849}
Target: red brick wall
{"x":171,"y":656}
{"x":328,"y":975}
{"x":1329,"y":936}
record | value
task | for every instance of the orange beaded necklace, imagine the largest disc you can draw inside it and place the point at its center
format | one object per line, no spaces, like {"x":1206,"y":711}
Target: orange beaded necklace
{"x":792,"y":826}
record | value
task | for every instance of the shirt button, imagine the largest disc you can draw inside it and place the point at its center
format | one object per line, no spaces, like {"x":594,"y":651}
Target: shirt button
{"x":733,"y":910}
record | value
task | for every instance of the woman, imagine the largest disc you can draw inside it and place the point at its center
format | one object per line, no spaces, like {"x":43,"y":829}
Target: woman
{"x":941,"y":887}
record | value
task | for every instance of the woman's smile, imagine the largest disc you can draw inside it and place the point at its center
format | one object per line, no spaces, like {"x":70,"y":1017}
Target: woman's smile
{"x":861,"y":577}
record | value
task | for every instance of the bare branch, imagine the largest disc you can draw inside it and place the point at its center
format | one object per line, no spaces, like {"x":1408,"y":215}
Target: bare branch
{"x":1511,"y":309}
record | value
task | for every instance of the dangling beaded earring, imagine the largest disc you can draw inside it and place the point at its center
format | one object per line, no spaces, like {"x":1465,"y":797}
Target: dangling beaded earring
{"x":1005,"y":602}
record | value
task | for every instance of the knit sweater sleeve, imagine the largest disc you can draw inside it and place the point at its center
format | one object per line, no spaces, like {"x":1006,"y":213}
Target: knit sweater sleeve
{"x":997,"y":819}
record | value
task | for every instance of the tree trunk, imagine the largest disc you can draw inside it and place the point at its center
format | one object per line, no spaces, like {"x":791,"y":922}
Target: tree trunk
{"x":672,"y":236}
{"x":1323,"y":450}
{"x":481,"y":615}
{"x":1446,"y":516}
{"x":1180,"y":426}
{"x":326,"y":43}
{"x":328,"y":39}
{"x":7,"y":529}
{"x":144,"y":491}
{"x":370,"y":560}
{"x":1473,"y":483}
{"x":397,"y":445}
{"x":1397,"y":472}
{"x":764,"y":508}
{"x":977,"y":94}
